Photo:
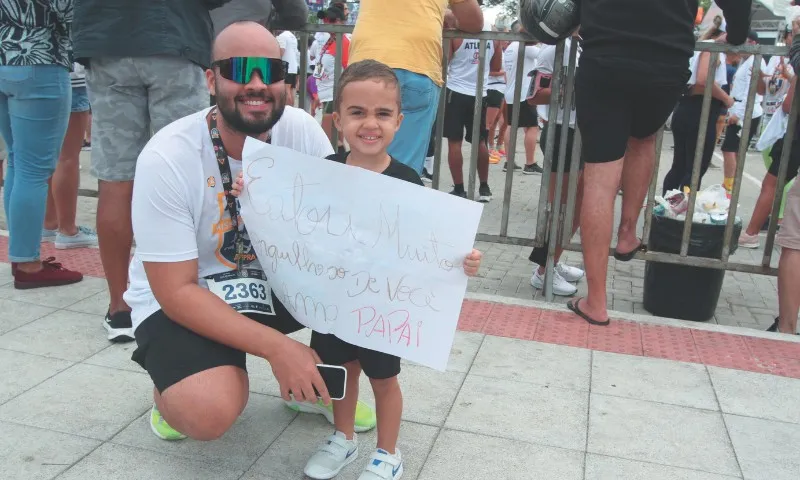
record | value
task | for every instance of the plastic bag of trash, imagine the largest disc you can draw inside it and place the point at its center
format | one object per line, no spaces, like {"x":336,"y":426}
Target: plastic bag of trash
{"x":713,"y":201}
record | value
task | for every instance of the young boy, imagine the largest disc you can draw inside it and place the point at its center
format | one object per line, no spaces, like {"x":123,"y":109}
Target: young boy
{"x":367,"y":112}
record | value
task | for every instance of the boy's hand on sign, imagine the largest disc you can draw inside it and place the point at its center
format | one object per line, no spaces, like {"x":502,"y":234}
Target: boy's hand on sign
{"x":238,"y":185}
{"x":472,"y":262}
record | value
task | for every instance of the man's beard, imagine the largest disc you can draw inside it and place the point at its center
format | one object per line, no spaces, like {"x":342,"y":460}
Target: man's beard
{"x":255,"y":127}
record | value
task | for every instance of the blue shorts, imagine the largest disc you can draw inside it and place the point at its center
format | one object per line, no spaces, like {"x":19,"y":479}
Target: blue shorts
{"x":80,"y":99}
{"x":420,"y":98}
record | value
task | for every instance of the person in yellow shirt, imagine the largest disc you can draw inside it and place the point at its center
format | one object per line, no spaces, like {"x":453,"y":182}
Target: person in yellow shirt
{"x":407,"y":36}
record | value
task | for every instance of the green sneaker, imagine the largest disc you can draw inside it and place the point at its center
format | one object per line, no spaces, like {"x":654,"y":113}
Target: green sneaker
{"x":365,"y":415}
{"x":161,"y":428}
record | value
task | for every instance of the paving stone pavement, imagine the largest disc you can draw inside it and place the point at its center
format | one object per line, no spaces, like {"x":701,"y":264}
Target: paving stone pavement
{"x":74,"y":407}
{"x":746,"y":300}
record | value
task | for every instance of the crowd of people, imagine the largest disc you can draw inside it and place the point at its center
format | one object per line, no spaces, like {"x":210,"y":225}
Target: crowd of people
{"x":149,"y":88}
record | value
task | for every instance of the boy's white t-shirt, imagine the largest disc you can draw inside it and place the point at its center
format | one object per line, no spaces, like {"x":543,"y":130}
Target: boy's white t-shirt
{"x":545,"y":63}
{"x":288,"y":42}
{"x":178,"y":208}
{"x":510,"y":67}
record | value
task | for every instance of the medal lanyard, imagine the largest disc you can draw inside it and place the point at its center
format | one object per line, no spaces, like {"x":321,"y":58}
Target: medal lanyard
{"x":227,"y":186}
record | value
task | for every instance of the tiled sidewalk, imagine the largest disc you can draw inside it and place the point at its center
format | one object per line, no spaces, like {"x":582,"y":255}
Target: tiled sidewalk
{"x":554,"y":399}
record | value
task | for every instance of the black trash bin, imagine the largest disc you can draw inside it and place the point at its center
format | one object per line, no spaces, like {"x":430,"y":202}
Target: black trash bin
{"x":680,"y":291}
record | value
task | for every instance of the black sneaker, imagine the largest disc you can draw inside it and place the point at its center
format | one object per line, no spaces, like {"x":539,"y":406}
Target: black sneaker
{"x":459,"y":193}
{"x":505,"y":166}
{"x":532,"y":169}
{"x":119,"y":326}
{"x":426,"y":177}
{"x":484,"y":194}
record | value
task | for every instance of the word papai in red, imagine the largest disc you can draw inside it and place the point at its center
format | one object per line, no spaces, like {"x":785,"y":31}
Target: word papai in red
{"x":395,"y":327}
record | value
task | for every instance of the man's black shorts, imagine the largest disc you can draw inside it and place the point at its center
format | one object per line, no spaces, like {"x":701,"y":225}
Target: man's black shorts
{"x":612,"y":107}
{"x":334,"y":351}
{"x":731,"y":142}
{"x":494,"y":98}
{"x":458,"y":117}
{"x":291,"y":79}
{"x":170,"y":352}
{"x":527,"y":115}
{"x":557,"y":147}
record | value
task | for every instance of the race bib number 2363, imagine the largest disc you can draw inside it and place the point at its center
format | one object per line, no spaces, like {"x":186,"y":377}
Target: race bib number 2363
{"x":247,"y":291}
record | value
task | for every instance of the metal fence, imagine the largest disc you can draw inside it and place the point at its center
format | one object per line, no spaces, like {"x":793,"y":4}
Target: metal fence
{"x":554,"y":215}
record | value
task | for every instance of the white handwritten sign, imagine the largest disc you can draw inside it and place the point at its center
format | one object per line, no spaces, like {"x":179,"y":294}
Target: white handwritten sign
{"x":374,"y":260}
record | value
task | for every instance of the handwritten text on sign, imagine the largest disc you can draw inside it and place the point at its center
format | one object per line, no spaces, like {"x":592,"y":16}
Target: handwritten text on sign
{"x":374,"y":260}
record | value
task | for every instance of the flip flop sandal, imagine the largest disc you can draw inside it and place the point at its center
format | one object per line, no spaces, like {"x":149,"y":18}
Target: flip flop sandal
{"x":573,"y":305}
{"x":627,"y":257}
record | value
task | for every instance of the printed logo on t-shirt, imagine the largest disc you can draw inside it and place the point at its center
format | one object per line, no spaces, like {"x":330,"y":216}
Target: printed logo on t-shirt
{"x":226,"y":244}
{"x":475,"y":45}
{"x":211,"y":182}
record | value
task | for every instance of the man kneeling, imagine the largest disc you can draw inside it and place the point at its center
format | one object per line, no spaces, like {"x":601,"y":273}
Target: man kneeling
{"x":193,"y":251}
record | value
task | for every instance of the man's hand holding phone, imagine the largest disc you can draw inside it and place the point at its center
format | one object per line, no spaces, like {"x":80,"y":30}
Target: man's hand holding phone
{"x":295,"y":368}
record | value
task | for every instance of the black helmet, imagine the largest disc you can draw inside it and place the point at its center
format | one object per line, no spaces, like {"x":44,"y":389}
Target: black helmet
{"x":550,"y":20}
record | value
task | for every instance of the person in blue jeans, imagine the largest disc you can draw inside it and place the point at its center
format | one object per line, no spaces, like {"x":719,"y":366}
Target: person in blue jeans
{"x":34,"y":109}
{"x":62,"y":198}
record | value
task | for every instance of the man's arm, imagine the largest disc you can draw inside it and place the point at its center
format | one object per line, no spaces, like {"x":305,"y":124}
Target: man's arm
{"x":737,"y":16}
{"x":787,"y":101}
{"x":496,"y":63}
{"x":454,"y":44}
{"x":794,"y":51}
{"x":469,"y":15}
{"x":702,"y":77}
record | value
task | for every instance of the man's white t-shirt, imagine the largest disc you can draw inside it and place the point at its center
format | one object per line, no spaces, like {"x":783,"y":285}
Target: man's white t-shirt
{"x":510,"y":67}
{"x":545,"y":63}
{"x":178,"y":208}
{"x":740,"y":88}
{"x":288,"y":42}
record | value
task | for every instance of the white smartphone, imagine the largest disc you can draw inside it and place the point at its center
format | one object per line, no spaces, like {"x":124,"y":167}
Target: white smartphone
{"x":335,"y":378}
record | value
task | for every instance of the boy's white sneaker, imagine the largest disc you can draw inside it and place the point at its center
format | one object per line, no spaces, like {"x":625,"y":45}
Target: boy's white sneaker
{"x":336,"y":453}
{"x":383,"y":466}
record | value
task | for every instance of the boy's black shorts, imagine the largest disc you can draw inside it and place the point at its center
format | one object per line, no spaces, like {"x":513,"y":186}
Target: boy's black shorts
{"x":334,"y":351}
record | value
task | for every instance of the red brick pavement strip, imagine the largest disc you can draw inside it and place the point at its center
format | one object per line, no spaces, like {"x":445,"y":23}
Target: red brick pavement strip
{"x":563,"y":328}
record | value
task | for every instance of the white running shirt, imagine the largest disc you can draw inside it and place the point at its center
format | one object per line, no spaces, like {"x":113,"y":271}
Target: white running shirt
{"x":510,"y":66}
{"x":288,"y":43}
{"x":462,"y":73}
{"x":178,"y":208}
{"x":545,"y":63}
